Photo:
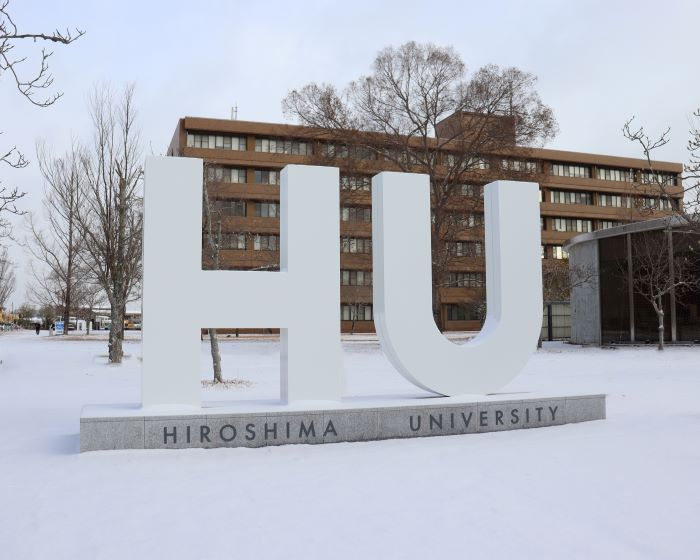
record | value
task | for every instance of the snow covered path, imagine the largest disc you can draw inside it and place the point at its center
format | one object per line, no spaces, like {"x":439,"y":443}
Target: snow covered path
{"x":627,"y":487}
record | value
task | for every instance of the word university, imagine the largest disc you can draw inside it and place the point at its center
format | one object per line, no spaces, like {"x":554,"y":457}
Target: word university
{"x":303,"y":300}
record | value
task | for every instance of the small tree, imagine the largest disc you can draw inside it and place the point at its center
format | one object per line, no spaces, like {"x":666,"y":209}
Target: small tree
{"x":664,"y":261}
{"x":212,"y":239}
{"x":58,"y":248}
{"x":658,"y":267}
{"x":111,"y":220}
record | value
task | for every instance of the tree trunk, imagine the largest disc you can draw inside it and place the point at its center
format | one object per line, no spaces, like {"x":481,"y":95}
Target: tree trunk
{"x":660,"y":313}
{"x":215,"y":355}
{"x":115,"y":334}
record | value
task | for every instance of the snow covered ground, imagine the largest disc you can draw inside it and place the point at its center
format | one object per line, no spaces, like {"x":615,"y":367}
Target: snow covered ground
{"x":623,"y":488}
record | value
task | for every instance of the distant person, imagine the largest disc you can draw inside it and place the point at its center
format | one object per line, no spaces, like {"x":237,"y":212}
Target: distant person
{"x":37,"y":327}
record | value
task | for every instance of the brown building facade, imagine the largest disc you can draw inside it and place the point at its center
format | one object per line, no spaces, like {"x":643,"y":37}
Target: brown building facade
{"x":579,"y":193}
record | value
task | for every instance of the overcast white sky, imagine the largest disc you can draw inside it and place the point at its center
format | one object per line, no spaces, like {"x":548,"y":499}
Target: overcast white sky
{"x":598,"y":63}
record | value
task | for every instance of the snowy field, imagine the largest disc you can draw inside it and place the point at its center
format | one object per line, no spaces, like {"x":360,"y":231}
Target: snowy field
{"x":623,"y":488}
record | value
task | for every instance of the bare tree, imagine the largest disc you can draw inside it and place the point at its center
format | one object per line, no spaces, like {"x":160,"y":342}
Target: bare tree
{"x":683,"y":198}
{"x":664,"y":261}
{"x":661,"y":265}
{"x":400,"y":113}
{"x":7,"y":278}
{"x":58,"y":248}
{"x":29,"y":85}
{"x":212,"y":238}
{"x":111,"y":219}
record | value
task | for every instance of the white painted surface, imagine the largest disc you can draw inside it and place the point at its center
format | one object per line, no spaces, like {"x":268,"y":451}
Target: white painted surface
{"x":403,"y":294}
{"x":302,"y":299}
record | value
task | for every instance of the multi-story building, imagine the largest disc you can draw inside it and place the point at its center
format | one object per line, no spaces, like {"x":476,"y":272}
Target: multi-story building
{"x":579,"y":192}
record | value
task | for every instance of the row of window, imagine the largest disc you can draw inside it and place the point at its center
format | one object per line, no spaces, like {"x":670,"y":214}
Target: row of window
{"x":282,"y":146}
{"x":457,"y":312}
{"x":260,"y":242}
{"x":356,"y":312}
{"x":216,"y":141}
{"x":364,"y":183}
{"x":360,"y":214}
{"x":240,"y":208}
{"x":239,"y":175}
{"x":466,"y":279}
{"x":567,"y":224}
{"x":355,"y":278}
{"x":363,"y":312}
{"x":330,"y":149}
{"x":362,"y":245}
{"x":604,"y":199}
{"x":465,"y":248}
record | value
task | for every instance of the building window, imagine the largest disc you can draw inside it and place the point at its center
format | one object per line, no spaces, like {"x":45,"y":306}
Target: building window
{"x":651,"y":203}
{"x":356,"y":214}
{"x":541,"y":224}
{"x":266,"y":242}
{"x":282,"y":146}
{"x":329,"y":149}
{"x":226,"y":174}
{"x":233,"y":241}
{"x":610,"y":174}
{"x":267,"y":209}
{"x":229,"y":207}
{"x":471,"y":190}
{"x":614,"y":200}
{"x":606,"y":224}
{"x":519,"y":165}
{"x":570,"y":170}
{"x":465,"y":248}
{"x":465,"y":163}
{"x":267,"y":177}
{"x":465,"y":220}
{"x":559,"y":253}
{"x":565,"y":224}
{"x":355,"y":278}
{"x":217,"y":142}
{"x":357,"y":312}
{"x":355,"y":183}
{"x":666,"y":179}
{"x":466,"y":279}
{"x":356,"y":245}
{"x":456,"y":312}
{"x":571,"y":197}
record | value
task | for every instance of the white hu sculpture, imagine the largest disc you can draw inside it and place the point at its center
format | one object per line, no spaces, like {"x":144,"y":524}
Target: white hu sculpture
{"x":303,"y":299}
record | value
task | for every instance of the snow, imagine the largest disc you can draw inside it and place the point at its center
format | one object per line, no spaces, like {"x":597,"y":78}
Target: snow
{"x":625,"y":487}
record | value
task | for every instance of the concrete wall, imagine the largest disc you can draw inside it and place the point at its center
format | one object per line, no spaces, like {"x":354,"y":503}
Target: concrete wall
{"x":585,"y":299}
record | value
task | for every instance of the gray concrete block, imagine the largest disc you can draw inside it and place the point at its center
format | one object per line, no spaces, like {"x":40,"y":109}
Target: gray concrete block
{"x":584,"y":409}
{"x":452,"y":420}
{"x":173,"y":433}
{"x":404,"y":422}
{"x":245,"y":430}
{"x":122,"y":433}
{"x":327,"y":426}
{"x":350,"y":425}
{"x":296,"y":428}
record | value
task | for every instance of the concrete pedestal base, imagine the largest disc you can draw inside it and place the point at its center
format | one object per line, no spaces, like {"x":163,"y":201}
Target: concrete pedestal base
{"x":257,"y":425}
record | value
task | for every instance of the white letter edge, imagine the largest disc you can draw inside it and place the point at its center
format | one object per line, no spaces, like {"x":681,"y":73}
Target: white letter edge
{"x":403,"y":295}
{"x":179,"y":298}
